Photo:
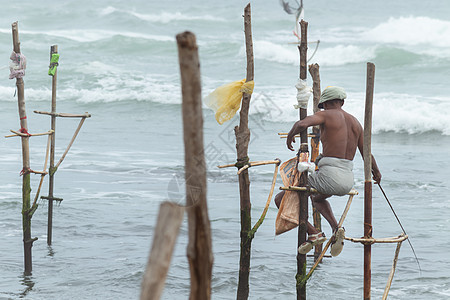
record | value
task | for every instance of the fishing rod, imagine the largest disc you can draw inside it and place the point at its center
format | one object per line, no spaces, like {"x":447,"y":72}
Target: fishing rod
{"x":398,"y":220}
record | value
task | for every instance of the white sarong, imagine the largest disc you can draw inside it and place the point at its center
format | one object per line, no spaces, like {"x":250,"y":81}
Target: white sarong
{"x":334,"y":176}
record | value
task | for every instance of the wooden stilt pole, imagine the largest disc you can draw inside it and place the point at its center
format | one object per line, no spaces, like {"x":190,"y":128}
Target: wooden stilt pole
{"x":315,"y":142}
{"x":166,"y":231}
{"x":199,"y":251}
{"x":26,"y":188}
{"x":303,"y":181}
{"x":53,"y":49}
{"x":242,"y":139}
{"x":367,"y":156}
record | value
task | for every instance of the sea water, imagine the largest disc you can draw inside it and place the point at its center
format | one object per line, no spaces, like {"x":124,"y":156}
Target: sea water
{"x":119,"y":62}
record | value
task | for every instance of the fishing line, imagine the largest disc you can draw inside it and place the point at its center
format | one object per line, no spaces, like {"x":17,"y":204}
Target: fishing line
{"x":398,"y":220}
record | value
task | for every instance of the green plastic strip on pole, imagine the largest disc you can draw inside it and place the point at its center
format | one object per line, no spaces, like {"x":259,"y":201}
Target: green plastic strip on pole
{"x":53,"y":64}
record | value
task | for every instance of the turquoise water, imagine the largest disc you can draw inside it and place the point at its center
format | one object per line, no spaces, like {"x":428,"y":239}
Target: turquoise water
{"x":119,"y":62}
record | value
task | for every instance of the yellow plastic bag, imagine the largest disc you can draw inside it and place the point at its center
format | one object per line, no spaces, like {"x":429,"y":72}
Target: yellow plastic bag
{"x":226,"y":99}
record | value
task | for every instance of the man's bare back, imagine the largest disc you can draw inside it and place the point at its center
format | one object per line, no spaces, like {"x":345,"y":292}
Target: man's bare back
{"x":340,"y":133}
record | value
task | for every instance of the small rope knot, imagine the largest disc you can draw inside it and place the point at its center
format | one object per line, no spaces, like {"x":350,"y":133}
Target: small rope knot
{"x":242,"y":162}
{"x":25,"y":171}
{"x":24,"y":131}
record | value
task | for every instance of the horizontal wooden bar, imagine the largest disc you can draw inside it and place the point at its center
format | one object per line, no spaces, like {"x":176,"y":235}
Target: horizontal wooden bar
{"x":253,"y":163}
{"x":311,"y":190}
{"x":39,"y":172}
{"x":259,"y":163}
{"x":63,"y":115}
{"x":395,"y":239}
{"x":284,"y":135}
{"x":52,"y":198}
{"x":16,"y":133}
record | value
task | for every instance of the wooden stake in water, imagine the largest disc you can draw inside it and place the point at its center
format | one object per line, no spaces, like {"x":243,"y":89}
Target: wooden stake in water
{"x":303,"y":181}
{"x":367,"y":156}
{"x":26,"y":188}
{"x":199,"y":250}
{"x":242,"y":133}
{"x":53,"y":50}
{"x":315,"y":142}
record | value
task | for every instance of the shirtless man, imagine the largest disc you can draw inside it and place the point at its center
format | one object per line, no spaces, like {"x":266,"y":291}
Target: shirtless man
{"x":340,"y":134}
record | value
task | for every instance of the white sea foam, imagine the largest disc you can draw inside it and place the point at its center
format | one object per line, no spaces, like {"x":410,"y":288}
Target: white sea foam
{"x":326,"y":56}
{"x":107,"y":11}
{"x":93,"y":35}
{"x":391,"y":112}
{"x":412,"y":31}
{"x":162,"y":17}
{"x":165,"y":17}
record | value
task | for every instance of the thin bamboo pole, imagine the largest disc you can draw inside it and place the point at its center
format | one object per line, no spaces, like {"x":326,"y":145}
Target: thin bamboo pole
{"x":242,"y":133}
{"x":266,"y":207}
{"x":367,"y":156}
{"x":199,"y":250}
{"x":315,"y":142}
{"x":166,"y":232}
{"x":26,"y":188}
{"x":70,"y":143}
{"x":341,"y":221}
{"x":47,"y":151}
{"x":53,"y":49}
{"x":303,"y":181}
{"x":391,"y":274}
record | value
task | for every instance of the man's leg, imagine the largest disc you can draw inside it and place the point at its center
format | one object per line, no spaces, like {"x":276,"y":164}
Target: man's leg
{"x":321,"y":203}
{"x":311,"y":229}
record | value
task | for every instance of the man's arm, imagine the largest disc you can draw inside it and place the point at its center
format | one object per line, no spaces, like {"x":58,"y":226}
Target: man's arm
{"x":375,"y":171}
{"x":313,"y":120}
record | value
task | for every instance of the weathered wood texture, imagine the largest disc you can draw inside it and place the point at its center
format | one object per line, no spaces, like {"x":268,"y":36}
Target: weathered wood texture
{"x":302,"y":231}
{"x":165,"y":235}
{"x":303,"y":181}
{"x":367,"y":156}
{"x":315,"y":143}
{"x":199,"y":251}
{"x":26,"y":188}
{"x":303,"y":49}
{"x":242,"y":133}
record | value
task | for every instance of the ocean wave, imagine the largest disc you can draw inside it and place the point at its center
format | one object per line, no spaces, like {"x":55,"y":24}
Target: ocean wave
{"x":329,"y":56}
{"x":93,"y":35}
{"x":401,"y":113}
{"x":411,"y":31}
{"x":162,"y":17}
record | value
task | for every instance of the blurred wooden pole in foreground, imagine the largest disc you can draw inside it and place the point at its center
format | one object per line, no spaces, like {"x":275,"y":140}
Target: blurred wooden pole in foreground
{"x":166,"y":231}
{"x":199,"y":250}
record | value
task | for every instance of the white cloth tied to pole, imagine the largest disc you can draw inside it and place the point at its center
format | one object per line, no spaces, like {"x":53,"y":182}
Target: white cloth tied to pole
{"x":303,"y":94}
{"x":17,"y":65}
